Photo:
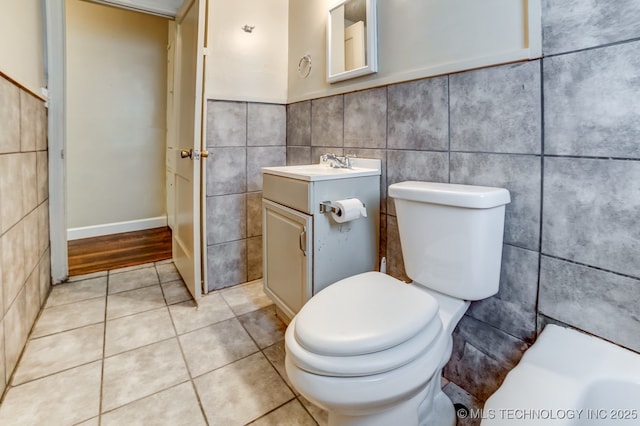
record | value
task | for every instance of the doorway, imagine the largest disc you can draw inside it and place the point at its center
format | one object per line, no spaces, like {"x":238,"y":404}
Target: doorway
{"x":116,"y":123}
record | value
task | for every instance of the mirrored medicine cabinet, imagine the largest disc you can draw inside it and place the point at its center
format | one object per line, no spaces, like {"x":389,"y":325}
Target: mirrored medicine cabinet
{"x":351,"y":40}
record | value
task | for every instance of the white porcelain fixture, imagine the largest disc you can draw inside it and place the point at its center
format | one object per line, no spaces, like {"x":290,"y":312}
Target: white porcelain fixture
{"x":569,"y":378}
{"x":370,"y":349}
{"x":324,"y":171}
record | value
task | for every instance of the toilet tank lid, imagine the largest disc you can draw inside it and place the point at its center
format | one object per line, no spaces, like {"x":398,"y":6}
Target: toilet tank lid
{"x":451,"y":194}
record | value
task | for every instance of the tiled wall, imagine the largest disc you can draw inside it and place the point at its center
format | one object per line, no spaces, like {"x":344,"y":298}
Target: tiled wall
{"x":241,"y":137}
{"x":25,"y":275}
{"x":562,"y":134}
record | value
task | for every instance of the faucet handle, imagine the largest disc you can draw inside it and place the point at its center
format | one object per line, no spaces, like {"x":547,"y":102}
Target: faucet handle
{"x":348,"y":158}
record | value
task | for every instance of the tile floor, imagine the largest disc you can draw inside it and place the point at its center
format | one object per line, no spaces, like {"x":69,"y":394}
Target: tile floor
{"x":129,"y":347}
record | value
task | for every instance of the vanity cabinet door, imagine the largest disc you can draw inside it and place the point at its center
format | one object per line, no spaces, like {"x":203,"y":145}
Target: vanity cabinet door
{"x":287,"y":259}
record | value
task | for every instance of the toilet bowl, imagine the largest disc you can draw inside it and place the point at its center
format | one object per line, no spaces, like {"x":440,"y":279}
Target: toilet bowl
{"x":370,"y":349}
{"x":568,"y":378}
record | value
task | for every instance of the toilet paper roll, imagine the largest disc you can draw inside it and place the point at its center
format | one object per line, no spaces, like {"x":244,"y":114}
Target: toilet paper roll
{"x":348,"y":210}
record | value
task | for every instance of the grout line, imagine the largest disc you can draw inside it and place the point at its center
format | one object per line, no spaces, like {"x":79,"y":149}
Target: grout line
{"x":540,"y":226}
{"x":104,"y":347}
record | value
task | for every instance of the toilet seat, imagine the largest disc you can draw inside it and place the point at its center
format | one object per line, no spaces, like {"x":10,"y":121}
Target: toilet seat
{"x":394,"y":324}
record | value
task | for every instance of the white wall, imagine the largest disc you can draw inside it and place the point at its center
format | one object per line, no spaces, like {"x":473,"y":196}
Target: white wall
{"x":242,"y":66}
{"x":116,"y":110}
{"x":418,"y":39}
{"x":21,"y":43}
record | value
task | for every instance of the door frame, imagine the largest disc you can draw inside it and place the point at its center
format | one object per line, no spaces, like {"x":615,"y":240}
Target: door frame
{"x":55,"y":77}
{"x":55,"y":31}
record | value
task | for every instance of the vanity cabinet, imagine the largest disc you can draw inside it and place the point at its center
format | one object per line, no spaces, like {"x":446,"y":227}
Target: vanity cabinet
{"x":304,"y":248}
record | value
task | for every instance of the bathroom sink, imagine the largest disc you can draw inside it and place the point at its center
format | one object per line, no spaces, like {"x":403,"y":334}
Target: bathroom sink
{"x":323,"y":171}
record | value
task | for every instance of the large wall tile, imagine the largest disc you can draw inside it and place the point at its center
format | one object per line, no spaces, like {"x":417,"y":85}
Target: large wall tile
{"x":3,"y":375}
{"x":29,"y":116}
{"x":226,"y":264}
{"x":417,"y":165}
{"x":521,"y":175}
{"x":13,"y":266}
{"x":42,"y":175}
{"x":226,"y":218}
{"x":395,"y":261}
{"x":11,"y":207}
{"x":596,"y":301}
{"x":418,"y":116}
{"x":254,"y":214}
{"x":497,"y":109}
{"x":298,"y":155}
{"x":42,"y":140}
{"x":591,"y":212}
{"x":482,"y":356}
{"x":29,"y":181}
{"x":31,"y":241}
{"x":254,"y":258}
{"x":258,"y":157}
{"x":299,"y":124}
{"x":513,"y":309}
{"x":9,"y":117}
{"x":43,"y":227}
{"x":365,"y":119}
{"x":227,"y":171}
{"x":266,"y":124}
{"x":578,"y":24}
{"x":16,"y":330}
{"x":425,"y":166}
{"x":45,"y":277}
{"x":226,"y":123}
{"x":327,"y":123}
{"x":592,"y":102}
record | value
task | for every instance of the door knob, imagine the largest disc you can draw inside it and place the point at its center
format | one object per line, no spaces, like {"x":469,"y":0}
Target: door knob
{"x":186,"y":153}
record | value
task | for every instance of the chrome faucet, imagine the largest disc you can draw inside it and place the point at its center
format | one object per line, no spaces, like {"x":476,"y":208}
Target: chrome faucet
{"x":337,"y":161}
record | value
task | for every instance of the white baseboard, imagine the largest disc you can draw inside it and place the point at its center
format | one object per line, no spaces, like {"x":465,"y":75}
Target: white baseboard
{"x":116,"y":228}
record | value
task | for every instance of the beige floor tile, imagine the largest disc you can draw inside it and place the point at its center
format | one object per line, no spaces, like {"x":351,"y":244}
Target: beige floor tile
{"x":212,"y":347}
{"x":131,"y":268}
{"x":78,"y":290}
{"x":211,"y":309}
{"x":319,"y":414}
{"x":168,"y":272}
{"x":251,"y":386}
{"x":142,"y":372}
{"x":131,"y":280}
{"x":91,"y":422}
{"x":134,"y":301}
{"x":65,"y":398}
{"x":276,"y":354}
{"x":60,"y":351}
{"x":177,"y":406}
{"x":175,"y":292}
{"x":87,"y":276}
{"x":70,"y":316}
{"x":246,"y":298}
{"x":135,"y":331}
{"x":291,"y":414}
{"x":263,"y":325}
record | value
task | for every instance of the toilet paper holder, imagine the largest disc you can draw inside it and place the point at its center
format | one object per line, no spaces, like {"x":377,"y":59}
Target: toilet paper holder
{"x":328,"y":207}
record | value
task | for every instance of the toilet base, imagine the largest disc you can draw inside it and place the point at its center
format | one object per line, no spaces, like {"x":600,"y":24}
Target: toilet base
{"x":429,"y":407}
{"x":441,"y":411}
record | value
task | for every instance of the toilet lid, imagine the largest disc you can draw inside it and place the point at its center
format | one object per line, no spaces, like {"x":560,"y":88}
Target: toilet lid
{"x":363,"y":314}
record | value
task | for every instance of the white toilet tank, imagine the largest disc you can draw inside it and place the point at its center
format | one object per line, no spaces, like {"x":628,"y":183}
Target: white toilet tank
{"x":451,"y":236}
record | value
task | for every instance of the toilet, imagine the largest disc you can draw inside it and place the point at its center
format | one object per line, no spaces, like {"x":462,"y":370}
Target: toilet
{"x":369,"y":348}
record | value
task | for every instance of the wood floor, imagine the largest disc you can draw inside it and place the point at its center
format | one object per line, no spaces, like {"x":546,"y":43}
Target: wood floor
{"x":119,"y":250}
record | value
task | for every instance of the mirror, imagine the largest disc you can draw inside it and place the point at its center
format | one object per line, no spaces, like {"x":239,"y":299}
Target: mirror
{"x":351,"y":40}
